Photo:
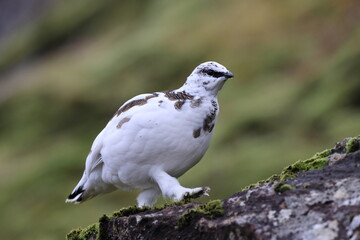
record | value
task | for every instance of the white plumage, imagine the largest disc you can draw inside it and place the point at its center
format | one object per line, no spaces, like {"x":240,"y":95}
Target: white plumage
{"x":155,"y":138}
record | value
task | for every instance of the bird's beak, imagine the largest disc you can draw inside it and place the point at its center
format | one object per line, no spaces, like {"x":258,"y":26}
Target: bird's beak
{"x":229,"y":75}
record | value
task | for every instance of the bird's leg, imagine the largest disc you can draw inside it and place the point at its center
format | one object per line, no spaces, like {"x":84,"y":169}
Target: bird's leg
{"x":171,"y":188}
{"x":148,"y":197}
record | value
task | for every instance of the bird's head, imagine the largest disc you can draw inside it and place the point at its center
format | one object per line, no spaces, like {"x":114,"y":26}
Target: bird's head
{"x":208,"y":76}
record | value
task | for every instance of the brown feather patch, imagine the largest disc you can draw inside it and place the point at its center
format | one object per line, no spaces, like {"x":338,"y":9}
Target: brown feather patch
{"x":179,"y":97}
{"x":133,"y":103}
{"x":151,"y":96}
{"x":208,"y":124}
{"x":122,"y":121}
{"x":178,"y":104}
{"x":196,"y":133}
{"x":196,"y":103}
{"x":173,"y":96}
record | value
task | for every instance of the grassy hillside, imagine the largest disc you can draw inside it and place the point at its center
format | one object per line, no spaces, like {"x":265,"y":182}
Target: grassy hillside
{"x":295,"y":92}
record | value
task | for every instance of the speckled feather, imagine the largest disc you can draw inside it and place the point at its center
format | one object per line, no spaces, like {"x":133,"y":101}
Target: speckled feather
{"x":155,"y":138}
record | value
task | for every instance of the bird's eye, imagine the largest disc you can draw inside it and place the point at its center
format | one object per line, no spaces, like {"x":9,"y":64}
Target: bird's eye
{"x":213,"y":73}
{"x":210,"y":72}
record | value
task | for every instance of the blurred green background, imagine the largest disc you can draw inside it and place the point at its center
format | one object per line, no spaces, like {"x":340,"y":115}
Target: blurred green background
{"x":66,"y":66}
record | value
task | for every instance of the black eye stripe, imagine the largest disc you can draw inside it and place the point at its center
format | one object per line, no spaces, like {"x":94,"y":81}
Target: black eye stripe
{"x":212,"y":73}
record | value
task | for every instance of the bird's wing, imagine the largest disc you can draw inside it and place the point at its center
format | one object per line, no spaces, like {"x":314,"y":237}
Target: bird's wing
{"x":94,"y":158}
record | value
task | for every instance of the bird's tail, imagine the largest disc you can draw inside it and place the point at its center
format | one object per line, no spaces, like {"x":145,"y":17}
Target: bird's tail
{"x":77,"y":194}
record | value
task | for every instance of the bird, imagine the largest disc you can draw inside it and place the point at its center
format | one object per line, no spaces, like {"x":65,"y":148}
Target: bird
{"x":155,"y":138}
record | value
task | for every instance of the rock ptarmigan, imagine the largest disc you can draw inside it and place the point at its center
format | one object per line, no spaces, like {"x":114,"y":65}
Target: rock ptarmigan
{"x":155,"y":138}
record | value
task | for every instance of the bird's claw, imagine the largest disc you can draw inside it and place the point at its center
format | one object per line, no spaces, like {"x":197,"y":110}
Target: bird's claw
{"x":204,"y":191}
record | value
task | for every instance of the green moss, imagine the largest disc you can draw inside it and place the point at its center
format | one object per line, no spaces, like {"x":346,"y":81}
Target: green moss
{"x":90,"y":232}
{"x":352,"y":145}
{"x":283,"y":187}
{"x":313,"y":163}
{"x":74,"y":234}
{"x":211,"y":210}
{"x":318,"y":161}
{"x":125,"y":212}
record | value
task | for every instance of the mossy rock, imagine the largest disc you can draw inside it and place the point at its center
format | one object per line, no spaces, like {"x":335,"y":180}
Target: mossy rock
{"x":132,"y":210}
{"x":283,"y":187}
{"x":89,"y":233}
{"x":318,"y":161}
{"x":211,"y":210}
{"x":125,"y":212}
{"x":352,"y":145}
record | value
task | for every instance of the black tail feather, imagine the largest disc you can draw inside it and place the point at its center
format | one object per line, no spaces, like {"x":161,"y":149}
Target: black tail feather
{"x":74,"y":194}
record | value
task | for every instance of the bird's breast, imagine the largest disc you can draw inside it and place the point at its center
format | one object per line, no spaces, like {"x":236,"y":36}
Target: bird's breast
{"x":162,"y":133}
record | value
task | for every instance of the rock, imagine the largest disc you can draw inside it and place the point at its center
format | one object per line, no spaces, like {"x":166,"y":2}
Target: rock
{"x":317,"y":198}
